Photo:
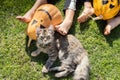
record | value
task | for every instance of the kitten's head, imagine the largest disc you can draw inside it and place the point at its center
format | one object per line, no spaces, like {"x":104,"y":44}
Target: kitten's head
{"x":45,"y":35}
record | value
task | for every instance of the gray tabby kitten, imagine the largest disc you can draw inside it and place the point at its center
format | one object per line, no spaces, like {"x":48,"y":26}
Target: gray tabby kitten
{"x":72,"y":55}
{"x":46,"y":43}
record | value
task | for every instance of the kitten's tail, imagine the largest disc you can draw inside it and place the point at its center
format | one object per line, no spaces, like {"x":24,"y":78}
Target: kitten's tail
{"x":82,"y":70}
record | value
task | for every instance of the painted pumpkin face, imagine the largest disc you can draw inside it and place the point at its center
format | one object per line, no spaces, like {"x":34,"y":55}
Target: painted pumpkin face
{"x":106,"y":8}
{"x":44,"y":16}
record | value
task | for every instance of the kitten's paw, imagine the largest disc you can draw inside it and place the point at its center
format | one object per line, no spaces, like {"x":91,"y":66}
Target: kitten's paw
{"x":44,"y":70}
{"x":60,"y":74}
{"x":79,"y":78}
{"x":34,"y":53}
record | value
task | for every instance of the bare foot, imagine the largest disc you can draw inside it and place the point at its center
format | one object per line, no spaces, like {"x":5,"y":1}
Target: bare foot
{"x":111,"y":24}
{"x":87,"y":12}
{"x":23,"y":19}
{"x":64,"y":27}
{"x":107,"y":30}
{"x":26,"y":18}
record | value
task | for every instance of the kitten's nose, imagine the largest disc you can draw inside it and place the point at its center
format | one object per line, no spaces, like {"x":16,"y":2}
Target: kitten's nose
{"x":45,"y":39}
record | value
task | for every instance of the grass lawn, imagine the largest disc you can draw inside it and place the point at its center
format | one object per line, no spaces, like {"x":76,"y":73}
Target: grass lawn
{"x":17,"y":64}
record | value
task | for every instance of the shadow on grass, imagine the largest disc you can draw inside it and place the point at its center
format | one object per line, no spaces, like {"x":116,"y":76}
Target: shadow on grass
{"x":114,"y":35}
{"x":84,"y":25}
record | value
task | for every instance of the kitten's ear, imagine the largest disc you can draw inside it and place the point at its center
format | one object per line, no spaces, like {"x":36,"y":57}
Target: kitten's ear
{"x":38,"y":31}
{"x":51,"y":29}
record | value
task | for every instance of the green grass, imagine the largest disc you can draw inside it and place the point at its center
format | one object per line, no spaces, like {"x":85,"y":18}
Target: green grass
{"x":17,"y":64}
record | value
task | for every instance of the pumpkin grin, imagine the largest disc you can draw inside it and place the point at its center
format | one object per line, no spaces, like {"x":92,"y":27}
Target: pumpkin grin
{"x":107,"y":8}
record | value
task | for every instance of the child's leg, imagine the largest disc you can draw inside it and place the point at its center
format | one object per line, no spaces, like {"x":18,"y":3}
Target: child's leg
{"x":70,"y":8}
{"x":64,"y":27}
{"x":27,"y":17}
{"x":88,"y":11}
{"x":112,"y":23}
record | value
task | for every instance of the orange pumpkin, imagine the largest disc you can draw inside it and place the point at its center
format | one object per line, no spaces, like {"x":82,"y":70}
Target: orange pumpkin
{"x":44,"y":16}
{"x":106,"y":9}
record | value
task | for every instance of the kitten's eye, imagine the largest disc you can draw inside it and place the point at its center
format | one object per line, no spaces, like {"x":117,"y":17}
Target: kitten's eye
{"x":51,"y":32}
{"x":42,"y":37}
{"x":48,"y":37}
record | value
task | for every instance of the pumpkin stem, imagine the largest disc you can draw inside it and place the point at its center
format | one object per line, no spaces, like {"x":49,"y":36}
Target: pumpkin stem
{"x":97,"y":18}
{"x":29,"y":42}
